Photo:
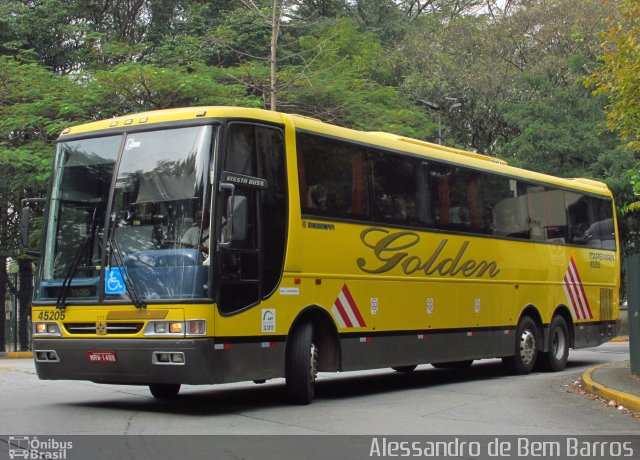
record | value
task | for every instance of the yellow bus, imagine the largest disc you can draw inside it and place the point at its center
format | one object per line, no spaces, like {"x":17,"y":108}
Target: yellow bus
{"x":217,"y":244}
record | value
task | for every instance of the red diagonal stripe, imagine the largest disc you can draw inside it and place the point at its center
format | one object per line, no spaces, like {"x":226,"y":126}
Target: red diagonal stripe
{"x":342,"y":312}
{"x":584,"y":294}
{"x":576,"y":294}
{"x":352,"y":304}
{"x":573,"y":273}
{"x":574,"y":307}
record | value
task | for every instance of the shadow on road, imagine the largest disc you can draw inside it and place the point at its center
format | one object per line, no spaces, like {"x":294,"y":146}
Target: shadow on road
{"x":222,"y":399}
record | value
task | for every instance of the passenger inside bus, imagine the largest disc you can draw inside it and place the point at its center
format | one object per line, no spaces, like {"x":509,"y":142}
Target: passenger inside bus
{"x":197,"y":235}
{"x":317,"y":197}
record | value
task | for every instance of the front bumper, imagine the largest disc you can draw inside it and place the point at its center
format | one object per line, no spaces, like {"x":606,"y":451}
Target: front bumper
{"x":134,"y":364}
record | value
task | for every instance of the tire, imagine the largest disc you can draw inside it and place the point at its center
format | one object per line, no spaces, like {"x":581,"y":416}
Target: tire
{"x":405,"y":369}
{"x":525,"y":348}
{"x":454,"y":364}
{"x":301,"y":365}
{"x":556,"y":358}
{"x":164,"y":390}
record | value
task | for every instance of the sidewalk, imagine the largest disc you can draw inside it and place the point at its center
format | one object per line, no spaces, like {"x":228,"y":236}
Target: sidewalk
{"x":614,"y":382}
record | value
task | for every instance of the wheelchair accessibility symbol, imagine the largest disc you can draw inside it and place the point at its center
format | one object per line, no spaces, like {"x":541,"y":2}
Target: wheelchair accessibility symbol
{"x":114,"y":281}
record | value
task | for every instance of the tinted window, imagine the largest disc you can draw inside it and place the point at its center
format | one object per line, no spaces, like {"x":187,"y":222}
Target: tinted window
{"x":590,"y":221}
{"x":400,"y":190}
{"x":333,"y":177}
{"x":405,"y":190}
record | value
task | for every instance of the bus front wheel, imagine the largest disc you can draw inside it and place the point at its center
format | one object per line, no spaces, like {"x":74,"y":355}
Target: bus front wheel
{"x":164,"y":390}
{"x":556,"y":358}
{"x":526,"y":348}
{"x":301,"y":365}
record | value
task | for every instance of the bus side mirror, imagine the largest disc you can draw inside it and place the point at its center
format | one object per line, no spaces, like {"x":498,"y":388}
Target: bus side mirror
{"x":25,"y":217}
{"x":234,"y":225}
{"x":237,"y":214}
{"x":26,"y":221}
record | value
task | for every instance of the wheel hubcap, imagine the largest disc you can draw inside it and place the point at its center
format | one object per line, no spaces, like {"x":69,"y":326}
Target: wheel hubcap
{"x":527,"y":347}
{"x":558,"y":344}
{"x":313,"y":362}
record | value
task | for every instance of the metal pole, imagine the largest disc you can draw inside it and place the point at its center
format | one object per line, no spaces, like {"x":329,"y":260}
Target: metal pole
{"x":633,"y":301}
{"x":15,"y":313}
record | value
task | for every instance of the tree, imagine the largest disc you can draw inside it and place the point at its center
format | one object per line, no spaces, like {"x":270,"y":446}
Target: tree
{"x":560,"y":131}
{"x":618,"y":78}
{"x":342,"y":85}
{"x":34,"y":107}
{"x":484,"y":65}
{"x":136,"y":87}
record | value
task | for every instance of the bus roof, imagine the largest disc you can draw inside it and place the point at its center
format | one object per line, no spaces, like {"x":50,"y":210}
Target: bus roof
{"x":379,"y":139}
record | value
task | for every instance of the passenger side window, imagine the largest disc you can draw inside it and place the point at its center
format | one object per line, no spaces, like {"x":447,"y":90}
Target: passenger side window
{"x":333,"y":177}
{"x":400,"y":190}
{"x":591,"y":221}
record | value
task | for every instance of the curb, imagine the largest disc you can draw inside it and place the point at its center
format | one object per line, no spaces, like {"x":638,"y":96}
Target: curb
{"x":629,"y":401}
{"x":16,"y":355}
{"x":622,"y":338}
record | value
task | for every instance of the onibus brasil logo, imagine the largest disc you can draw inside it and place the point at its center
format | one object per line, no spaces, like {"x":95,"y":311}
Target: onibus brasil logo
{"x":30,"y":447}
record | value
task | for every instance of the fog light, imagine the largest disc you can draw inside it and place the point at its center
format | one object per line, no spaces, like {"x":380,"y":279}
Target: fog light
{"x":164,"y":357}
{"x":175,"y":328}
{"x":177,"y":358}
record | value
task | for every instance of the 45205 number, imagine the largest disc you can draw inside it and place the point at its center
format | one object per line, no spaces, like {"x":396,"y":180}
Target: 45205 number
{"x":51,"y":316}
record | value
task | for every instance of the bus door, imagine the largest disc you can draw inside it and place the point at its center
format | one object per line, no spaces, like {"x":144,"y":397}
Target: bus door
{"x":251,"y":212}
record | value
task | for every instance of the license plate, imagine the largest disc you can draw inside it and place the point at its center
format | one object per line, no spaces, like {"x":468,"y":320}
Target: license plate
{"x":102,"y":357}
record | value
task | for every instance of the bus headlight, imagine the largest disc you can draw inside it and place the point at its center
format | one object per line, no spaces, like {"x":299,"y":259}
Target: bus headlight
{"x":176,"y":328}
{"x":42,"y":329}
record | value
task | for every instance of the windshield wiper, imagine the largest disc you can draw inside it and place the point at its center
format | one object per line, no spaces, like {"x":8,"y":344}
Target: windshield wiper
{"x":61,"y":302}
{"x":130,"y":287}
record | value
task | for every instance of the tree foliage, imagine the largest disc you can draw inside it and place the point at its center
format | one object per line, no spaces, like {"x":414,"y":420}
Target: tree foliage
{"x":619,"y":75}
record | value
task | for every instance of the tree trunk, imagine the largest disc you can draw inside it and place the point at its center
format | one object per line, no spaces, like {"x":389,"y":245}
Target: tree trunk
{"x":24,"y":298}
{"x":3,"y":298}
{"x":3,"y":278}
{"x":275,"y":30}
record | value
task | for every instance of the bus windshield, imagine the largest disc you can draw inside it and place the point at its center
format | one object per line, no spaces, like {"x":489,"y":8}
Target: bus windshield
{"x":154,"y":230}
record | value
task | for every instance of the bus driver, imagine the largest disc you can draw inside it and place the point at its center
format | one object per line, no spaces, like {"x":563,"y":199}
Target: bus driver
{"x":197,"y":235}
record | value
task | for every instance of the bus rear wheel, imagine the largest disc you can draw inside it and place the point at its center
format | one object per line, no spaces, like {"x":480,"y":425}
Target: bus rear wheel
{"x":164,"y":390}
{"x":556,"y":358}
{"x":301,"y":366}
{"x":526,"y":348}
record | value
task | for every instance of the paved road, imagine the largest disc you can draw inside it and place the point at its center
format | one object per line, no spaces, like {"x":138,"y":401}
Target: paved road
{"x":483,"y":400}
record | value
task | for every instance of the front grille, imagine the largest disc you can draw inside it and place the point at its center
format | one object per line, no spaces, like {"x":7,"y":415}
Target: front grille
{"x":112,"y":328}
